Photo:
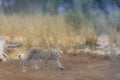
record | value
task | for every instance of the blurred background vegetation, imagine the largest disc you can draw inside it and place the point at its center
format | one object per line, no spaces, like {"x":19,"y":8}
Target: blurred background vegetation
{"x":73,"y":10}
{"x":63,"y":23}
{"x":59,"y":6}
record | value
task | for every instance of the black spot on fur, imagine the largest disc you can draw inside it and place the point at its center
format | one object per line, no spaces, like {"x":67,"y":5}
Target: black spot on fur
{"x":0,"y":59}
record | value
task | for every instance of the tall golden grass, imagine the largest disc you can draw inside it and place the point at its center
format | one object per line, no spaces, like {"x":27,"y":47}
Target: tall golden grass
{"x":47,"y":31}
{"x":39,"y":31}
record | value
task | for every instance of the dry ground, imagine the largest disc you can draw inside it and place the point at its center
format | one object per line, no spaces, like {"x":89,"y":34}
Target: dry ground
{"x":82,"y":66}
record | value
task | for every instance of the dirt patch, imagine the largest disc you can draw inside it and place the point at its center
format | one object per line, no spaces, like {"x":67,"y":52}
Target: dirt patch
{"x":82,"y":66}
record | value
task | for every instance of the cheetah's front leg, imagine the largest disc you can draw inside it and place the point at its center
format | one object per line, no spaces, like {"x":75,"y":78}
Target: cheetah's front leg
{"x":58,"y":64}
{"x":36,"y":61}
{"x":46,"y":65}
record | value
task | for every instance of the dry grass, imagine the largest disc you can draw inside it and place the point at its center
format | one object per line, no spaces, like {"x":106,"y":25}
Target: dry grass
{"x":89,"y":34}
{"x":47,"y":31}
{"x":112,"y":35}
{"x":39,"y":31}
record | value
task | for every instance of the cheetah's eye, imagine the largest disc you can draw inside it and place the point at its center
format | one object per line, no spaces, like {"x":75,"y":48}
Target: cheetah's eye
{"x":34,"y":51}
{"x":55,"y":55}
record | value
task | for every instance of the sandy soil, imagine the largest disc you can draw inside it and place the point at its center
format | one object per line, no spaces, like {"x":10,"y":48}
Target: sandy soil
{"x":82,"y":66}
